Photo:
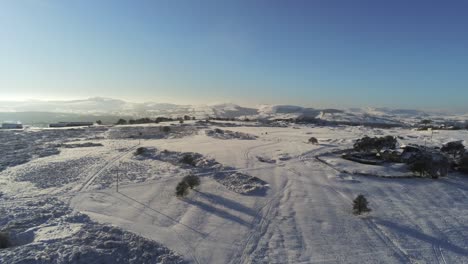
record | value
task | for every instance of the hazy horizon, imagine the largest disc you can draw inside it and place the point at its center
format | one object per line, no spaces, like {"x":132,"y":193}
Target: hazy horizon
{"x":319,"y":54}
{"x":46,"y":103}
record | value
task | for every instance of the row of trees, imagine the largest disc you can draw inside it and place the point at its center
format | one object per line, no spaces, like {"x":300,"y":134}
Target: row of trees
{"x":449,"y":125}
{"x":375,"y":144}
{"x":147,"y":120}
{"x":429,"y":162}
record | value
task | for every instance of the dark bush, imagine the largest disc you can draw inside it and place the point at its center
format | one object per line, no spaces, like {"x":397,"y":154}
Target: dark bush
{"x":313,"y":140}
{"x":188,"y":159}
{"x":166,"y":129}
{"x":368,"y":144}
{"x":182,"y":189}
{"x":426,"y":121}
{"x":360,"y":205}
{"x":391,"y":156}
{"x":4,"y":240}
{"x":454,"y":148}
{"x":140,"y":151}
{"x":430,"y":164}
{"x":420,"y":166}
{"x":121,"y":122}
{"x":219,"y":131}
{"x":192,"y":181}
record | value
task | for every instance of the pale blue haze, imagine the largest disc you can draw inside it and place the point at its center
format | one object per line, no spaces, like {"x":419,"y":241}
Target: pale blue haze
{"x":314,"y":53}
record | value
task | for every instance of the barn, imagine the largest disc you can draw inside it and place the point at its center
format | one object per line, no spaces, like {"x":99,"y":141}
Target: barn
{"x":12,"y":125}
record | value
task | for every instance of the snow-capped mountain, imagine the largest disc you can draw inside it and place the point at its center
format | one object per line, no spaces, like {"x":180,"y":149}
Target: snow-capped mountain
{"x":114,"y":107}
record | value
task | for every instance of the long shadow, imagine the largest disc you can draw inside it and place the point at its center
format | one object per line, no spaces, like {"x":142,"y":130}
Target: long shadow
{"x":163,"y":214}
{"x":423,"y":237}
{"x":458,"y":184}
{"x":216,"y":199}
{"x":216,"y":211}
{"x":328,"y":145}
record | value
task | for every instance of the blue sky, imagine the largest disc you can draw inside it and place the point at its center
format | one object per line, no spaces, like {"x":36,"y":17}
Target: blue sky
{"x":402,"y":54}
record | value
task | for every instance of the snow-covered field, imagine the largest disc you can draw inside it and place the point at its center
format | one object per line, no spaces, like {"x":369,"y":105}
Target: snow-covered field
{"x":263,"y":200}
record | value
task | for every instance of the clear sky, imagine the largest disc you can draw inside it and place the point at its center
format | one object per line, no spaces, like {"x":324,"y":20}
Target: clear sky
{"x":309,"y":52}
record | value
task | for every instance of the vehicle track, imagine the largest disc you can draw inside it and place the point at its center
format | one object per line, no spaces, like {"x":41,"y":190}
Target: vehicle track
{"x":371,"y":224}
{"x":93,"y":177}
{"x":248,"y":150}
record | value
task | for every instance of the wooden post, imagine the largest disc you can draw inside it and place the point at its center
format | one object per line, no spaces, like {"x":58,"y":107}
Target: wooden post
{"x":117,"y":186}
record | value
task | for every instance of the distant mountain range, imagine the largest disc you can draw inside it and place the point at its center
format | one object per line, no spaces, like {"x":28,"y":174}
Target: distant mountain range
{"x":108,"y":109}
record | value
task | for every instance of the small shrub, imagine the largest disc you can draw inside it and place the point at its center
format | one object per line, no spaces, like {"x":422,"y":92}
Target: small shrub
{"x":4,"y":240}
{"x":181,"y":121}
{"x":420,"y":166}
{"x":426,"y":121}
{"x":454,"y":148}
{"x":192,"y":181}
{"x":166,"y":129}
{"x":140,"y":151}
{"x":219,"y":131}
{"x":188,"y":159}
{"x":182,"y":189}
{"x":121,"y":122}
{"x":313,"y":140}
{"x":360,"y":205}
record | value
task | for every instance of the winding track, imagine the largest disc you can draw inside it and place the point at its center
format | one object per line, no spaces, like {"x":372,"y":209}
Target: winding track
{"x":93,"y":177}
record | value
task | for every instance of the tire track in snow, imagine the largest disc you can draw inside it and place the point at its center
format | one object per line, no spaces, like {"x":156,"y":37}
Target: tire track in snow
{"x":142,"y":207}
{"x":248,"y":150}
{"x":93,"y":177}
{"x":258,"y":226}
{"x":437,"y":253}
{"x":370,"y":223}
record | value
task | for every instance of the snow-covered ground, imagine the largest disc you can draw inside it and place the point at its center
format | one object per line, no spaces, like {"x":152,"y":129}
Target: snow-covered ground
{"x":63,"y":206}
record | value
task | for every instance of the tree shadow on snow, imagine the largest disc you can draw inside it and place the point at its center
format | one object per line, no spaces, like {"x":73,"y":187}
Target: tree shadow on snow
{"x":457,"y":182}
{"x":216,"y":211}
{"x":328,"y":145}
{"x":423,"y":237}
{"x":160,"y":213}
{"x":216,"y":199}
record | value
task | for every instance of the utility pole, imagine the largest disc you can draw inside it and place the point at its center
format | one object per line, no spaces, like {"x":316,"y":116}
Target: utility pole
{"x":117,"y":186}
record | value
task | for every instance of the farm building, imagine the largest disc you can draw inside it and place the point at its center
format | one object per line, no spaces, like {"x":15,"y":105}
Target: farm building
{"x":12,"y":125}
{"x":71,"y":124}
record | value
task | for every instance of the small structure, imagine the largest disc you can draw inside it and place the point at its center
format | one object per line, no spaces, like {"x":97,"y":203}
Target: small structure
{"x":71,"y":124}
{"x":12,"y":125}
